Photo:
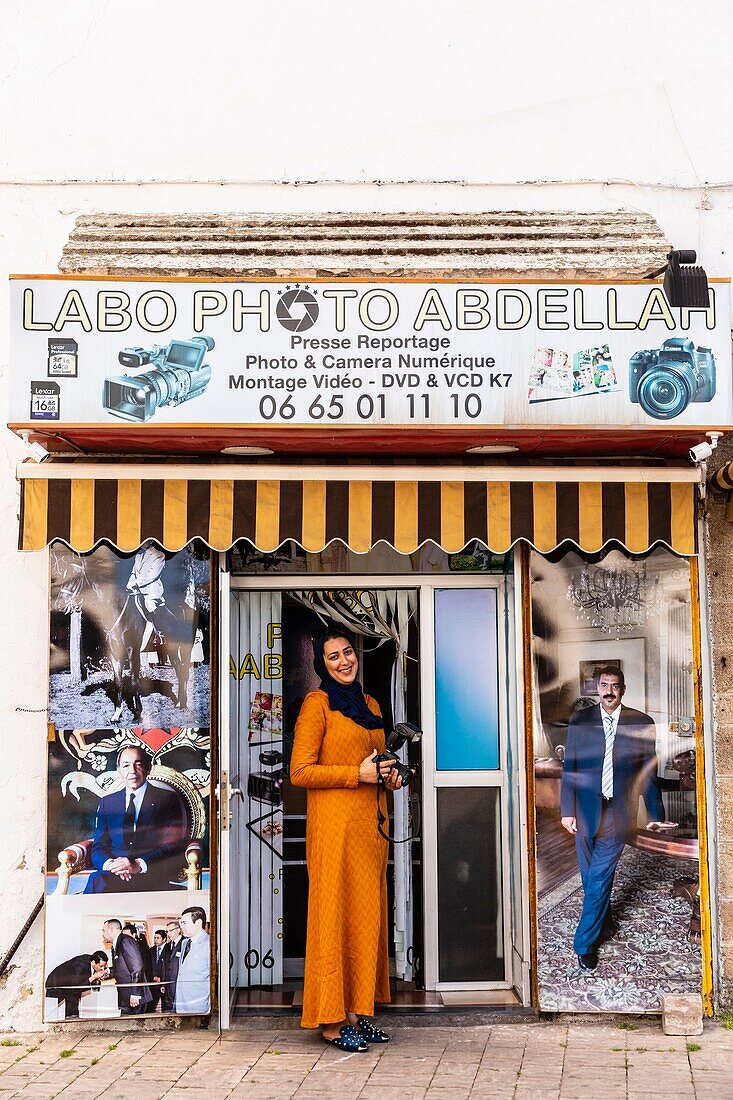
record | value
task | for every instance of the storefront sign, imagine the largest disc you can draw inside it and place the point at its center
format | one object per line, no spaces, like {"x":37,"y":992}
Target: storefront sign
{"x":90,"y":352}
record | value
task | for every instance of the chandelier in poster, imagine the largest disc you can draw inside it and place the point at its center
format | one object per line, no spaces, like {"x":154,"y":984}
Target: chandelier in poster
{"x":88,"y":351}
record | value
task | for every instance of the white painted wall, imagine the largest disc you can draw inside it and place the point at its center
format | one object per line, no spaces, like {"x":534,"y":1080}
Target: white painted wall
{"x":572,"y":105}
{"x":419,"y":89}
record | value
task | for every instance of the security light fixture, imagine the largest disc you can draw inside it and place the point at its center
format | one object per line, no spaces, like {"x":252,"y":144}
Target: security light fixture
{"x":684,"y":284}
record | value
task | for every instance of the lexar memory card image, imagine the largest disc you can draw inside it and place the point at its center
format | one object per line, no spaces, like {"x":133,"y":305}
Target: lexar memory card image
{"x":45,"y":401}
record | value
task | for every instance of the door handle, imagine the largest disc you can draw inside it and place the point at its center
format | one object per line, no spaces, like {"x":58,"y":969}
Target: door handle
{"x":226,"y":794}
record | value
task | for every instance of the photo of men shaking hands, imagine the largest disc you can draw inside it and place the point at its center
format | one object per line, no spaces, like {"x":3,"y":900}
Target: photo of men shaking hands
{"x":131,"y":976}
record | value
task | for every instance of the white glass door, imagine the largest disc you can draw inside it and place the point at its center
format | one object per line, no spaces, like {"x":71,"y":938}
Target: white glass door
{"x":516,"y":787}
{"x":467,"y":838}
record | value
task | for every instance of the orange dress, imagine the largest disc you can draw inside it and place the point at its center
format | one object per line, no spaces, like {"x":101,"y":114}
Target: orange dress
{"x":346,"y":955}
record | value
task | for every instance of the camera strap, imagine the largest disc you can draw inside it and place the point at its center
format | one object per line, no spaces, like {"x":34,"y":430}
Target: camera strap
{"x":413,"y":803}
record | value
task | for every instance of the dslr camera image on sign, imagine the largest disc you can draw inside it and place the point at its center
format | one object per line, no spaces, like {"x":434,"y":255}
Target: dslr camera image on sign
{"x":665,"y":380}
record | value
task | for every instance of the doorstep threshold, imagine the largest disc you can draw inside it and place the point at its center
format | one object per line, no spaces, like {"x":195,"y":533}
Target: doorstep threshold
{"x":259,"y":1019}
{"x":411,"y":1008}
{"x":250,"y":1000}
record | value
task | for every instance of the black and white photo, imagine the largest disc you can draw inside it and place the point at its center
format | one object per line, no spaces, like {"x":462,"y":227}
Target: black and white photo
{"x":129,"y":638}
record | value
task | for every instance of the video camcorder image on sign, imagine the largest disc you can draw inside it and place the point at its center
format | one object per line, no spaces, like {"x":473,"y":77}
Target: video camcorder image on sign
{"x":665,"y":380}
{"x":178,"y":373}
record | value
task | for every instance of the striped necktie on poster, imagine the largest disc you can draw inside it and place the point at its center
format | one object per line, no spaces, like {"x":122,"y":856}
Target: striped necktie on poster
{"x":607,"y":776}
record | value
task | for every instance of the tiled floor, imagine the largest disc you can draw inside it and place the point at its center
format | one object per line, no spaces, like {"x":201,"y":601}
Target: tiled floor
{"x":546,"y":1060}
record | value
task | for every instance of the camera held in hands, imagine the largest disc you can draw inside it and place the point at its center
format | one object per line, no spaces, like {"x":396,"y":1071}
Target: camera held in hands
{"x":402,"y":734}
{"x":178,"y":373}
{"x":665,"y":380}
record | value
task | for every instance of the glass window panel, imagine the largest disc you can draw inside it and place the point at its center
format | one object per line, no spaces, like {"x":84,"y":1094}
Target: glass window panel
{"x":466,"y":679}
{"x":633,"y":615}
{"x":337,"y":558}
{"x":470,"y":910}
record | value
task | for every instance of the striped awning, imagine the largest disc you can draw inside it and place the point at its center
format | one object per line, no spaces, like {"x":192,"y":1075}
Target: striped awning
{"x":499,"y":506}
{"x":722,"y":479}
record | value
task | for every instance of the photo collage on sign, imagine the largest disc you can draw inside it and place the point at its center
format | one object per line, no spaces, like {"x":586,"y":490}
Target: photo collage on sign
{"x":128,"y":824}
{"x":615,"y":759}
{"x":556,"y":374}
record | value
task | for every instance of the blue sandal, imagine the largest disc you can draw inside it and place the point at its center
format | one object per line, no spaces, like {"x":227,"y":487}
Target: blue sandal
{"x":350,"y":1040}
{"x":370,"y":1033}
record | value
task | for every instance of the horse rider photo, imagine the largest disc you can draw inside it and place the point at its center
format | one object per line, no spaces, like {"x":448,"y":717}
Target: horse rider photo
{"x":146,"y":588}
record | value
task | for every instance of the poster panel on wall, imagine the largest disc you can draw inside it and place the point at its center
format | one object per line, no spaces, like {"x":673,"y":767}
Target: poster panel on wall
{"x":129,"y":638}
{"x":615,"y":783}
{"x":128,"y":822}
{"x":395,"y":353}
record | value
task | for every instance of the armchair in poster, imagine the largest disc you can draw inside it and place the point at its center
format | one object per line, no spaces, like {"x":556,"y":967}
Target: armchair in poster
{"x":128,"y":827}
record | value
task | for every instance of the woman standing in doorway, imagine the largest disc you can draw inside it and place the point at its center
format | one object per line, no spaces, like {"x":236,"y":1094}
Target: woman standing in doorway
{"x":338,"y":733}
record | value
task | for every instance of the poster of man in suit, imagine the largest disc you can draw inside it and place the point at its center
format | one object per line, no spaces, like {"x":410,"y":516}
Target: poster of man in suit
{"x":129,"y":777}
{"x":193,"y":985}
{"x":128,"y":842}
{"x":128,"y":810}
{"x":138,"y":840}
{"x":128,"y":961}
{"x":610,"y":758}
{"x":171,"y":963}
{"x":157,"y":966}
{"x":615,"y":760}
{"x":128,"y":969}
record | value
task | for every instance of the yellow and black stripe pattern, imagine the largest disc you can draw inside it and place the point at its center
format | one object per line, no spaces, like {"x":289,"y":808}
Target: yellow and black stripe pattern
{"x":722,"y":479}
{"x":84,"y":511}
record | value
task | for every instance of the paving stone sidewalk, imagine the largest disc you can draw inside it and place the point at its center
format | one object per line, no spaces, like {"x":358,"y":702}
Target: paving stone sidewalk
{"x":549,"y":1059}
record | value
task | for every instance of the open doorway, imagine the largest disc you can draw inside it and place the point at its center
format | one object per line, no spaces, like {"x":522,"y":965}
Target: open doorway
{"x":271,"y":672}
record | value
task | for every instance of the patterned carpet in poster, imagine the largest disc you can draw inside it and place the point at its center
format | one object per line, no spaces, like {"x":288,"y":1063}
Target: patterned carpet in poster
{"x":647,"y":955}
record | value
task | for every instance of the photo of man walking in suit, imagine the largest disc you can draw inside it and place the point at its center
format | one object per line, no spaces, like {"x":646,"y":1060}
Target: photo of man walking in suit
{"x":70,"y":980}
{"x":128,"y":970}
{"x":610,"y":761}
{"x":137,"y":835}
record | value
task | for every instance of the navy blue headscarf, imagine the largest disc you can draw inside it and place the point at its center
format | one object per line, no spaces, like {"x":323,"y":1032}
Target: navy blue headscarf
{"x":346,"y":698}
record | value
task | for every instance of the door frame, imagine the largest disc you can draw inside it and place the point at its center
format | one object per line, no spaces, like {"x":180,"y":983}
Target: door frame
{"x":425,"y":584}
{"x":223,"y":789}
{"x":434,"y":779}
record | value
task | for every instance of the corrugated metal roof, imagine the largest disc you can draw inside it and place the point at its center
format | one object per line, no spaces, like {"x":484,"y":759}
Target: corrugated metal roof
{"x":528,"y":244}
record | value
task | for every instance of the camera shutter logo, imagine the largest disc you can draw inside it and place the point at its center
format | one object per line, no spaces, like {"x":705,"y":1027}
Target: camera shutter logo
{"x":297,"y":309}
